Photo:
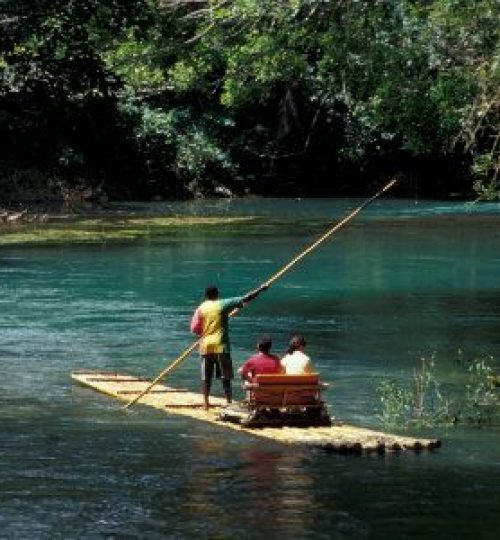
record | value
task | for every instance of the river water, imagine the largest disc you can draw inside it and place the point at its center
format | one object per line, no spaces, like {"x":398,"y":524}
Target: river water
{"x":405,"y":280}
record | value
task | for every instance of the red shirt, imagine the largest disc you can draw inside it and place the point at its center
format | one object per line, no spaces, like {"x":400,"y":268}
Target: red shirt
{"x":260,"y":363}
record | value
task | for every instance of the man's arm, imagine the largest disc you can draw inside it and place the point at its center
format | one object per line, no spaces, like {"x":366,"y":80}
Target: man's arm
{"x":245,"y":369}
{"x":239,"y":301}
{"x":253,"y":294}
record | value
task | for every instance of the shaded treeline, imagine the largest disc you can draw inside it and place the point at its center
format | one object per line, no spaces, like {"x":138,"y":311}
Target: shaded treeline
{"x":178,"y":98}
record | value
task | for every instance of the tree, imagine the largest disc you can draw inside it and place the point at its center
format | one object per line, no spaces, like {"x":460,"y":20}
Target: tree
{"x":272,"y":96}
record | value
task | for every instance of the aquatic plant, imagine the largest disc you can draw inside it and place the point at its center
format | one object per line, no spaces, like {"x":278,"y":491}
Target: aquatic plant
{"x":481,"y":403}
{"x":109,"y":229}
{"x":423,"y":403}
{"x":396,"y":403}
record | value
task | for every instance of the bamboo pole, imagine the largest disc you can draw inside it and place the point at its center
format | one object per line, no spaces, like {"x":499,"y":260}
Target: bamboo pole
{"x":328,"y":233}
{"x":267,"y":283}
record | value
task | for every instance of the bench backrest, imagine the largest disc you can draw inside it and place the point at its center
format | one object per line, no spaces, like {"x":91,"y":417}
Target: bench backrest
{"x":282,"y":390}
{"x":308,"y":379}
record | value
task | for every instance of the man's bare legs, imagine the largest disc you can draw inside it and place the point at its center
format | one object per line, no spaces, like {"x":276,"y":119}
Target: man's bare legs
{"x":226,"y":385}
{"x":205,"y":388}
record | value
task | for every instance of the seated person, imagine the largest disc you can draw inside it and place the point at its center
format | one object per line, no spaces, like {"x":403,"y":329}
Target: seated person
{"x":261,"y":363}
{"x":296,"y":362}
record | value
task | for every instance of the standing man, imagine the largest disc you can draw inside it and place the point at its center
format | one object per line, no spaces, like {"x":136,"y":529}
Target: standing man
{"x":210,"y":321}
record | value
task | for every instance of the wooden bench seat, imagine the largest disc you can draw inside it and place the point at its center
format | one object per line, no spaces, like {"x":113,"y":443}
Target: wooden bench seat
{"x":282,"y":391}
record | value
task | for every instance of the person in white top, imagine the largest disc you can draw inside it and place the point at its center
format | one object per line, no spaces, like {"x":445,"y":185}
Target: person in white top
{"x":296,"y":362}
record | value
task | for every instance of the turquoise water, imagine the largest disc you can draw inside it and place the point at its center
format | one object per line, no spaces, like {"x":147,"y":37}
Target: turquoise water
{"x":403,"y":281}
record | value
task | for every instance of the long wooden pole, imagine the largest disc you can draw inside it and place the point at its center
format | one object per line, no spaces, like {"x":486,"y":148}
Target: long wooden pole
{"x":269,"y":282}
{"x":328,"y":233}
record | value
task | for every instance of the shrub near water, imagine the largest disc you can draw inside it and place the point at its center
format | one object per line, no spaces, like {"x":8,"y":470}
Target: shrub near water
{"x":423,"y":402}
{"x":482,"y":403}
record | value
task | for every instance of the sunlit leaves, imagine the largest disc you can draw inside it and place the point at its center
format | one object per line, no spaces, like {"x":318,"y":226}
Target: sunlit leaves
{"x":136,"y":61}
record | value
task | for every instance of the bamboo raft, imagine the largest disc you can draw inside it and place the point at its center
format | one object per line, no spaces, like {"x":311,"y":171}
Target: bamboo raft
{"x":343,"y":439}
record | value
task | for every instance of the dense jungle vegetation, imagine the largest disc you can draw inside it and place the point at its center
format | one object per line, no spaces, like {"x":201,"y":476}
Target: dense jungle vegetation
{"x":156,"y":98}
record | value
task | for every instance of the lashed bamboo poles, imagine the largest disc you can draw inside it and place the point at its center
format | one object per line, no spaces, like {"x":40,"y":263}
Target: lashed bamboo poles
{"x":269,"y":282}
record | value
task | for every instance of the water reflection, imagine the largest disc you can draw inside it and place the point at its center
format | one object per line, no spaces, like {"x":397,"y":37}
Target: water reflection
{"x":265,"y":490}
{"x":283,"y":491}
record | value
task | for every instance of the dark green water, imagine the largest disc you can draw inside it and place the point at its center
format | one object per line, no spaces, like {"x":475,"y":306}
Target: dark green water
{"x":405,"y":280}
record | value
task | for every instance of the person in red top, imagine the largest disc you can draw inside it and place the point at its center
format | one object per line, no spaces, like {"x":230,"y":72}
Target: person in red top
{"x":262,"y":362}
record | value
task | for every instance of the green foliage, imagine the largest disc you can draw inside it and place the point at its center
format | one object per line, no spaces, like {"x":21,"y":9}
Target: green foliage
{"x":485,"y":171}
{"x":400,"y":73}
{"x":481,"y":403}
{"x":197,"y":73}
{"x":202,"y":91}
{"x":423,"y":403}
{"x":181,"y":144}
{"x":396,"y":403}
{"x":464,"y":40}
{"x":136,"y":61}
{"x":257,"y":66}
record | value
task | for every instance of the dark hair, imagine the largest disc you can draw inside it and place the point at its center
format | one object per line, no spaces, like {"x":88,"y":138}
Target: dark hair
{"x":264,"y":344}
{"x":295,"y":343}
{"x":211,"y":292}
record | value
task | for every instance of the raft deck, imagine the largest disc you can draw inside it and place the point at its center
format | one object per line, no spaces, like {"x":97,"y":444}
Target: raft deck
{"x":336,"y":438}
